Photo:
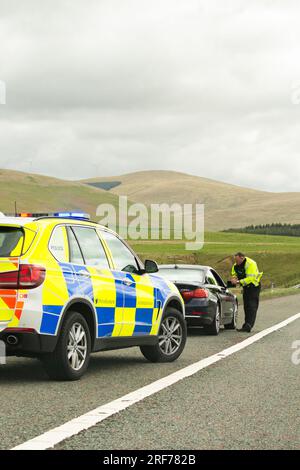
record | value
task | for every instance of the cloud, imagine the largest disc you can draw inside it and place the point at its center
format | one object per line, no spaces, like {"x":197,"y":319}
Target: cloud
{"x":114,"y":86}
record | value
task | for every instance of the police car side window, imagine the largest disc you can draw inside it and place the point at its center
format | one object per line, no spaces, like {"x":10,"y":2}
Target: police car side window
{"x":58,"y":245}
{"x":91,"y":247}
{"x":123,"y":258}
{"x":75,"y":253}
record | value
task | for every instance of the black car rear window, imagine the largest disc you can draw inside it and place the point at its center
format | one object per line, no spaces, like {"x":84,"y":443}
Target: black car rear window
{"x":179,"y":274}
{"x":11,"y":241}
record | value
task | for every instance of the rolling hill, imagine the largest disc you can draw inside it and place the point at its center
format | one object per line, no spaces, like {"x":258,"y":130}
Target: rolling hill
{"x":37,"y":193}
{"x":226,"y":205}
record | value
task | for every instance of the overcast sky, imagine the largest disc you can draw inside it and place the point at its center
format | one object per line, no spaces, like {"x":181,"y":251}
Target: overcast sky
{"x":105,"y":87}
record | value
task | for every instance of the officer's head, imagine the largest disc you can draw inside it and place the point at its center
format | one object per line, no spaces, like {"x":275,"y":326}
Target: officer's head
{"x":239,"y":257}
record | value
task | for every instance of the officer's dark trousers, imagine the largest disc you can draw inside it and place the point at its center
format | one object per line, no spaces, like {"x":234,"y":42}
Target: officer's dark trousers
{"x":251,"y":302}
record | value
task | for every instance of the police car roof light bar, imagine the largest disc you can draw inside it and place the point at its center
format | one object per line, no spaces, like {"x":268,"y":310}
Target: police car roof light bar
{"x":65,"y":215}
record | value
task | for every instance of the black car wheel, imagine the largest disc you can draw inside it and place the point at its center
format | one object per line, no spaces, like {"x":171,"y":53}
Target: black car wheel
{"x":70,"y":358}
{"x":171,"y":338}
{"x":214,"y":328}
{"x":232,"y":325}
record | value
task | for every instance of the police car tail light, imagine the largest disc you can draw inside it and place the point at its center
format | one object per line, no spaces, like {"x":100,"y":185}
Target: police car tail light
{"x":9,"y":280}
{"x":195,"y":294}
{"x":31,"y":276}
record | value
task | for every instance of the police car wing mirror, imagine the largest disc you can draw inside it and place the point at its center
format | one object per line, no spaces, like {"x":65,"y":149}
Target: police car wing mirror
{"x":150,"y":266}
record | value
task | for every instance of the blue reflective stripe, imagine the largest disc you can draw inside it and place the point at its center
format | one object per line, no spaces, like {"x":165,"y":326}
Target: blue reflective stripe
{"x":105,"y":330}
{"x":54,"y":309}
{"x":105,"y":314}
{"x":142,"y":330}
{"x":78,"y":284}
{"x":130,"y":298}
{"x":143,"y":321}
{"x":49,"y":323}
{"x":51,"y":314}
{"x":143,"y":315}
{"x":119,"y":292}
{"x":84,"y":281}
{"x":130,"y":293}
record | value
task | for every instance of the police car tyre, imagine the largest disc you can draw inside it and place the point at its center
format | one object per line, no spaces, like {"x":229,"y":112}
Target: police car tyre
{"x":171,"y":338}
{"x":233,"y":324}
{"x":214,"y":328}
{"x":71,"y":356}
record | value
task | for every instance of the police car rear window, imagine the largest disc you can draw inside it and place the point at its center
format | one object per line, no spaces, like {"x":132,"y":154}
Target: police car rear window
{"x":11,"y":241}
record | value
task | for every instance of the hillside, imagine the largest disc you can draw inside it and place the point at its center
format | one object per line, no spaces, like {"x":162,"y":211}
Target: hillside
{"x":226,"y":205}
{"x":38,"y":193}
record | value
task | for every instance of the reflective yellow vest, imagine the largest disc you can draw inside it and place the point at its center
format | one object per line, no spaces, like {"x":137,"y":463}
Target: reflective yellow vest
{"x":253,"y":276}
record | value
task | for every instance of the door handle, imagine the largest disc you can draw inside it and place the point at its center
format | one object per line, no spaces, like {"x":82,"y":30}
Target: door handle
{"x":84,"y":273}
{"x":128,"y":282}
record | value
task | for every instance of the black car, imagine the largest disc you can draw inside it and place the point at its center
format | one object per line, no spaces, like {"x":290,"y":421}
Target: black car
{"x":208,"y":302}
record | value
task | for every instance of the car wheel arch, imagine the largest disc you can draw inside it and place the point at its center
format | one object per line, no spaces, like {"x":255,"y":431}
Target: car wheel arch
{"x":172,"y":301}
{"x":85,"y":308}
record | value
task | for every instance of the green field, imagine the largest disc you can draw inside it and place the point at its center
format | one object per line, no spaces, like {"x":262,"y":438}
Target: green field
{"x":278,"y":257}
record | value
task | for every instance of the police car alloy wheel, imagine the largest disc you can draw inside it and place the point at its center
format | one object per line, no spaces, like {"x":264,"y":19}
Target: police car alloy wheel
{"x":171,"y":338}
{"x":171,"y":335}
{"x":77,"y":346}
{"x":70,"y":358}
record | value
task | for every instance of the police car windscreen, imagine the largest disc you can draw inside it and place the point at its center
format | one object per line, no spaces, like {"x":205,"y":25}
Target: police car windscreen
{"x":183,"y":274}
{"x":11,"y":241}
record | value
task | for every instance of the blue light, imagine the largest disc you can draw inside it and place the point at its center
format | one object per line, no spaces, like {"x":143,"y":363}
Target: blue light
{"x":61,"y":214}
{"x":73,"y":215}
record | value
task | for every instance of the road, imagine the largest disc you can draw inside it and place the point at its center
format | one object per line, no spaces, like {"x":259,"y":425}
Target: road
{"x":246,"y":401}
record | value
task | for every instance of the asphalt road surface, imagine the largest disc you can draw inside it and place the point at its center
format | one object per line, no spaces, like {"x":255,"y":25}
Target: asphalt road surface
{"x":249,"y":400}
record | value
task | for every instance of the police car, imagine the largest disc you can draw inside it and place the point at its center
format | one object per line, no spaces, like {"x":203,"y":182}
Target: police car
{"x":69,"y":287}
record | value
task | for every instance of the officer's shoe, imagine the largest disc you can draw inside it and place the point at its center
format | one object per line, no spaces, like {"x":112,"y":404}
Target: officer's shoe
{"x":245,"y":329}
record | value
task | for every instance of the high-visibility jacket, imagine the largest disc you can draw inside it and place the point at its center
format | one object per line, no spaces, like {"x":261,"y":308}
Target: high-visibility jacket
{"x":252,"y":274}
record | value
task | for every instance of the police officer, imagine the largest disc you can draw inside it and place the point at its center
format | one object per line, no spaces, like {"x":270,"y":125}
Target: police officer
{"x":245,"y":273}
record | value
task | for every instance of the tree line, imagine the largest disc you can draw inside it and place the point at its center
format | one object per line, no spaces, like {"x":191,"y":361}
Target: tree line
{"x":291,"y":230}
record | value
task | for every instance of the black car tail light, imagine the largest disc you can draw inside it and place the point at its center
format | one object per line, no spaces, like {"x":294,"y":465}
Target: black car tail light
{"x":195,"y":294}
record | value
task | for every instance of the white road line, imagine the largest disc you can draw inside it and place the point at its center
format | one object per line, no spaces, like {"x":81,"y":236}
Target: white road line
{"x":71,"y":428}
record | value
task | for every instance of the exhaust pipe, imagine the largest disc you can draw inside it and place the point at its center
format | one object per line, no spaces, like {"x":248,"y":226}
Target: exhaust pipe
{"x":12,"y":340}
